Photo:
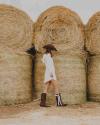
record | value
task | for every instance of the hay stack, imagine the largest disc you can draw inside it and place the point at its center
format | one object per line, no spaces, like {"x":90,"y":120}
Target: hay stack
{"x":15,"y":78}
{"x":15,"y":29}
{"x":71,"y":75}
{"x":93,"y":46}
{"x":61,"y":27}
{"x":94,"y":78}
{"x":93,"y":34}
{"x":16,"y":35}
{"x":64,"y":29}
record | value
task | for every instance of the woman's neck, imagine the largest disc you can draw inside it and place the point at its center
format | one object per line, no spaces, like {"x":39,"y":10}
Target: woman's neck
{"x":49,"y":53}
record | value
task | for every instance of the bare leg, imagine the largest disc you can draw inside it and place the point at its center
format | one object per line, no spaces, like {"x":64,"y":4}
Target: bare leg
{"x":55,"y":86}
{"x":46,"y":87}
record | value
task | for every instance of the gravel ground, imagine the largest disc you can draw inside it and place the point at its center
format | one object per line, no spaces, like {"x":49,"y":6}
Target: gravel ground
{"x":31,"y":114}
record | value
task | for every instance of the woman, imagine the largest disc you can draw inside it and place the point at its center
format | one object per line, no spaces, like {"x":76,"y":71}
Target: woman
{"x":50,"y":76}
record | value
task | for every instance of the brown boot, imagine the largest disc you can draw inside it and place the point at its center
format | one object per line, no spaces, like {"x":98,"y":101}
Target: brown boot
{"x":59,"y":100}
{"x":43,"y":100}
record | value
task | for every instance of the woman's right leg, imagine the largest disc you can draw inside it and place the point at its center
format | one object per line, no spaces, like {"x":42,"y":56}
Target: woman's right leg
{"x":46,"y":87}
{"x":44,"y":94}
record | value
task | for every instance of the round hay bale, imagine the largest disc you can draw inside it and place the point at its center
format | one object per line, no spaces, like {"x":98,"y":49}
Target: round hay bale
{"x":61,"y":27}
{"x":93,"y":34}
{"x":71,"y":75}
{"x":16,"y":29}
{"x":94,"y":78}
{"x":15,"y":78}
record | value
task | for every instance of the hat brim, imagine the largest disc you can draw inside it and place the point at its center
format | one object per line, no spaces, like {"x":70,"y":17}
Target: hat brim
{"x":50,"y":47}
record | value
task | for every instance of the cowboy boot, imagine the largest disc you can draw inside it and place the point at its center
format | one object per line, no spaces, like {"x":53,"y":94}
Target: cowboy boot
{"x":59,"y":100}
{"x":43,"y":100}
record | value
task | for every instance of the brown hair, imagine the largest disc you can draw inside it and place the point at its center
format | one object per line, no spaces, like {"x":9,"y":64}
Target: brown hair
{"x":49,"y":51}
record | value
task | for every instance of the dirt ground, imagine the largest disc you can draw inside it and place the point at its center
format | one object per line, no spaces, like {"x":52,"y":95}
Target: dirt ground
{"x":32,"y":114}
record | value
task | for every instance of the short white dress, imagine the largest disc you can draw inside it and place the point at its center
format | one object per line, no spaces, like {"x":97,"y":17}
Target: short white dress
{"x":50,"y":68}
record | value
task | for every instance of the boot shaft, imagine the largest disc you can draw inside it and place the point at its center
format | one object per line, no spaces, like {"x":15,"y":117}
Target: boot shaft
{"x":43,"y":100}
{"x":43,"y":97}
{"x":59,"y":100}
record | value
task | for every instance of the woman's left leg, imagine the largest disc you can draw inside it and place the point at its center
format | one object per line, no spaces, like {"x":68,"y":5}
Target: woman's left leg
{"x":57,"y":93}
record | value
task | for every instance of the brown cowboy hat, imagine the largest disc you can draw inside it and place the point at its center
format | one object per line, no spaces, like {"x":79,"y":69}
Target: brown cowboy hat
{"x":50,"y":47}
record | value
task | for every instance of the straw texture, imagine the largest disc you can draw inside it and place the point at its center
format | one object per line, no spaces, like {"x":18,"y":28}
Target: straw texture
{"x":71,"y":75}
{"x":16,"y":29}
{"x":93,"y":34}
{"x":61,"y":27}
{"x":94,"y":78}
{"x":15,"y":78}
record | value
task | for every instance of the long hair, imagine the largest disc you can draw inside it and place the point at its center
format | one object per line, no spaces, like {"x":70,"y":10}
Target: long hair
{"x":49,"y":51}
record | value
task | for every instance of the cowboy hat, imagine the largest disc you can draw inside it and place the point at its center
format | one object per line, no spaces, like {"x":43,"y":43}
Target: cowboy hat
{"x":50,"y":47}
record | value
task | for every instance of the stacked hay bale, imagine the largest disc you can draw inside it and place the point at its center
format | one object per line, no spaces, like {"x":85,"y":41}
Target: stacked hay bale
{"x":15,"y":78}
{"x":64,"y":29}
{"x":59,"y":26}
{"x":93,"y":47}
{"x":16,"y":30}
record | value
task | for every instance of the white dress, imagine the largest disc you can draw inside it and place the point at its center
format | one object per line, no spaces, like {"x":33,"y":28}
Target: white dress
{"x":50,"y":69}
